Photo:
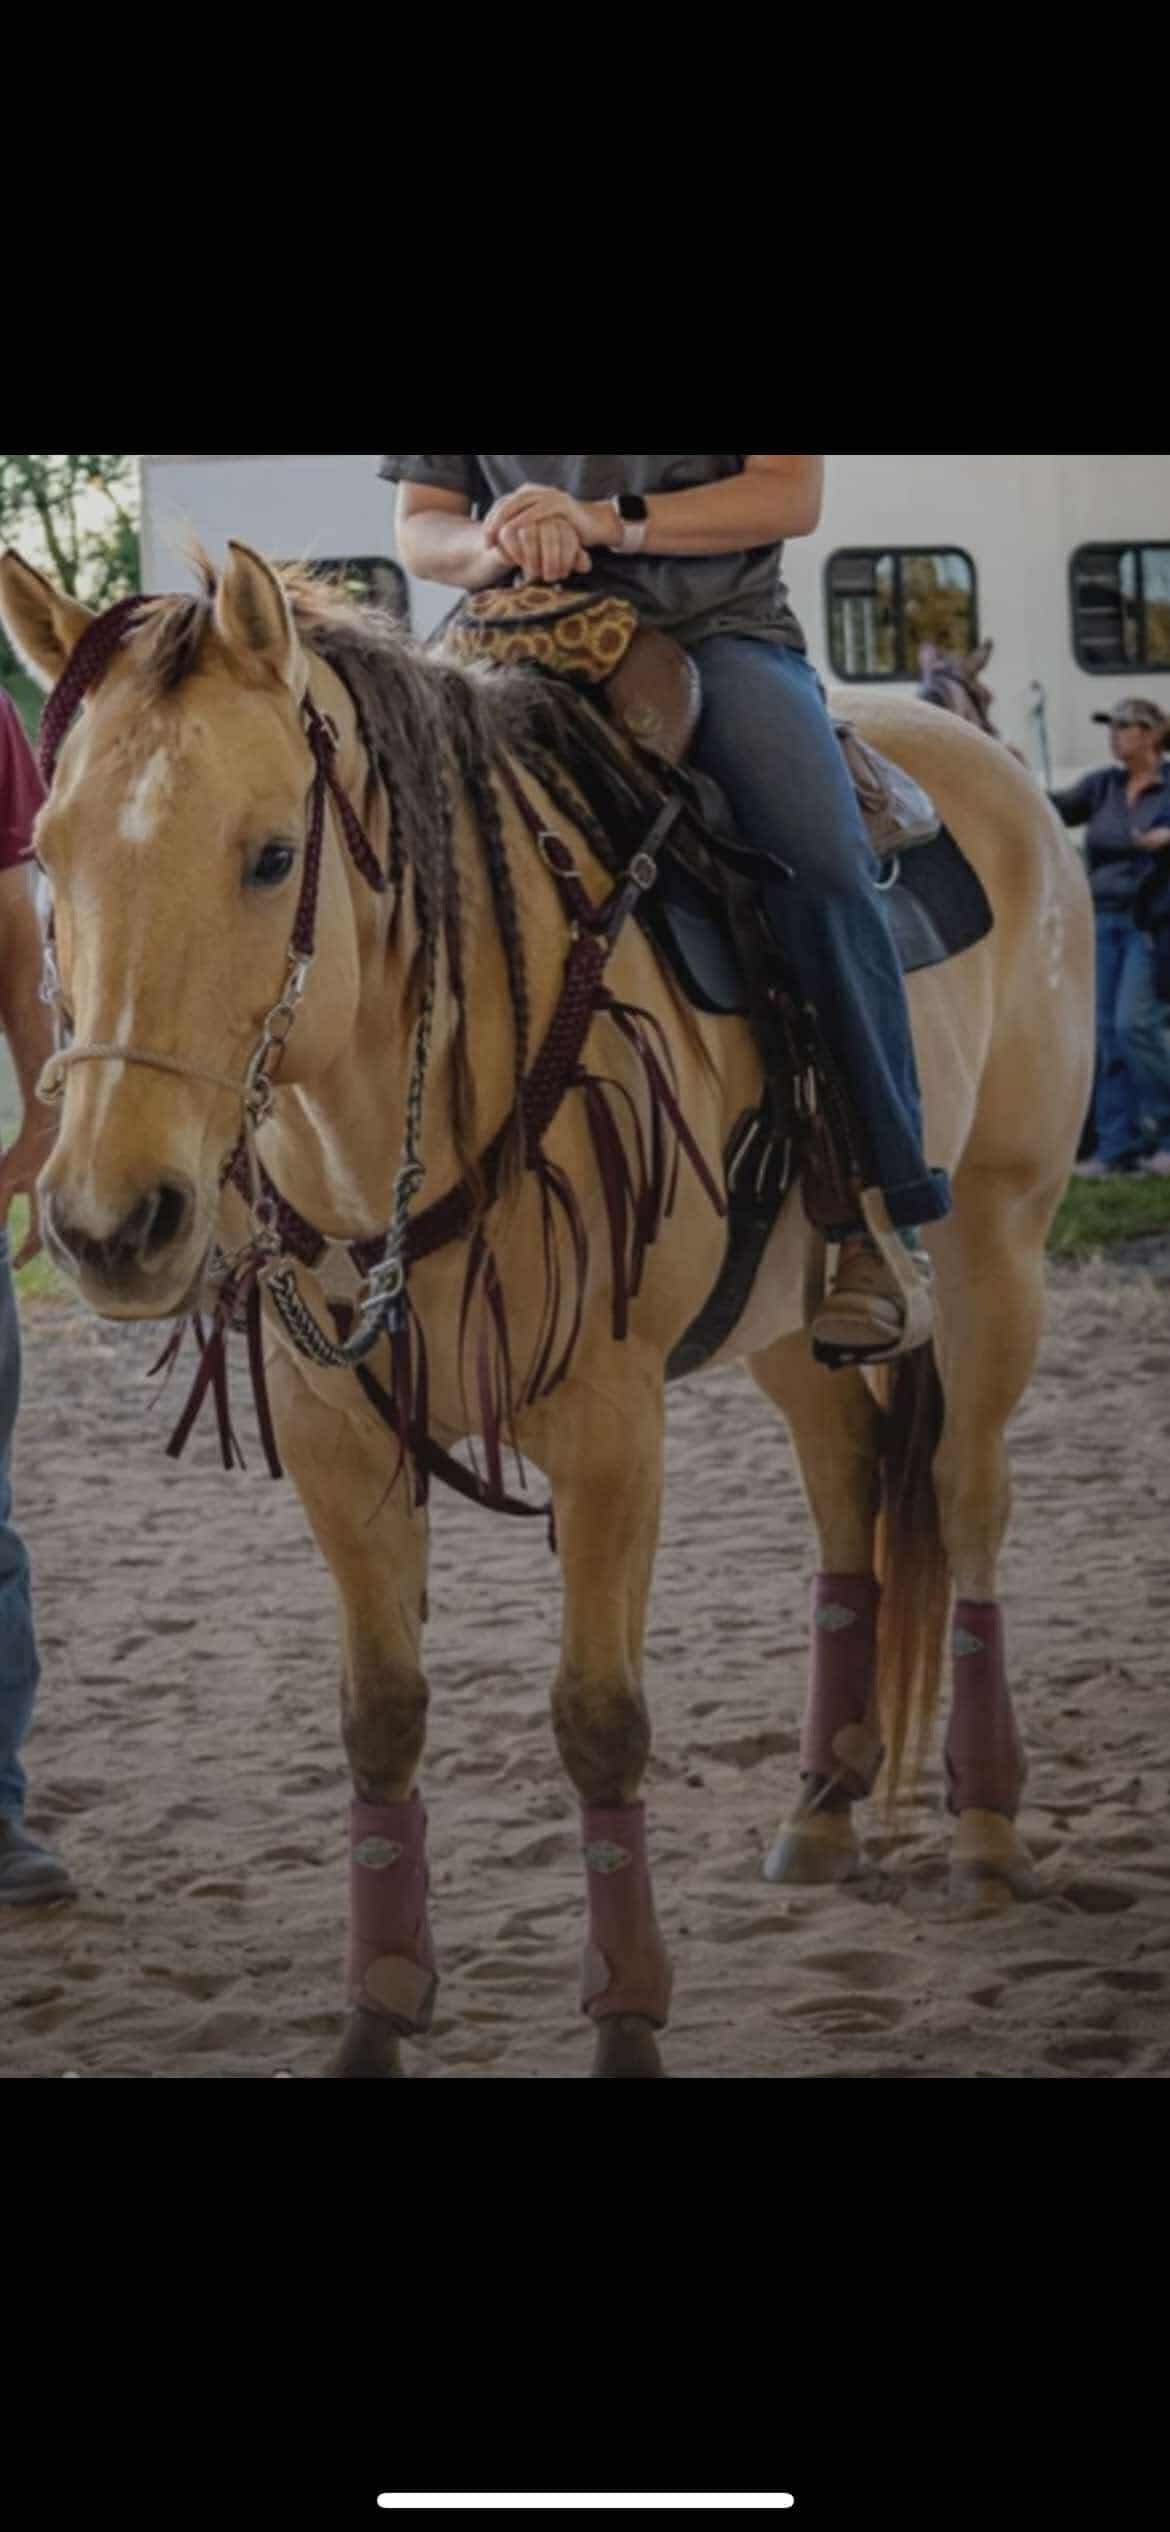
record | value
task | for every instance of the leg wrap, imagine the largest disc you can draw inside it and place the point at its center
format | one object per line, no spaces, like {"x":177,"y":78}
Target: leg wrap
{"x":391,"y":1956}
{"x":985,"y":1763}
{"x":840,"y":1736}
{"x":626,"y":1969}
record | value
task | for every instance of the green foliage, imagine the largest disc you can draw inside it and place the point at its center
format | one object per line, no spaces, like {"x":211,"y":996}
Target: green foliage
{"x":76,"y":519}
{"x":39,"y":1281}
{"x":1098,"y":1212}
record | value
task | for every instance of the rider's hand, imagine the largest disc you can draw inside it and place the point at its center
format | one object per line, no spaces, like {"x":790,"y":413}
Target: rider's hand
{"x":20,"y":1168}
{"x":548,"y":550}
{"x":536,"y":505}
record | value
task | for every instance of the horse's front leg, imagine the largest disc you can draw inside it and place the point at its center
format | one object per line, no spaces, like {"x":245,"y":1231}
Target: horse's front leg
{"x":376,"y":1549}
{"x":604,"y":1460}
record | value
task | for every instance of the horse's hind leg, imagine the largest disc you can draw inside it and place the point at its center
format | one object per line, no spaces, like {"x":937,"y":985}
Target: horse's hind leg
{"x":990,"y":1269}
{"x":835,"y":1427}
{"x":376,"y":1549}
{"x":604,"y":1460}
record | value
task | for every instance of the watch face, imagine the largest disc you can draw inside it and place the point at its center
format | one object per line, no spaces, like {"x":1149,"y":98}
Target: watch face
{"x":631,"y":506}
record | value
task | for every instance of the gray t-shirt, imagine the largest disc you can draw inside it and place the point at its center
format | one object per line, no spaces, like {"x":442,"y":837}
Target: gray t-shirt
{"x":689,"y":595}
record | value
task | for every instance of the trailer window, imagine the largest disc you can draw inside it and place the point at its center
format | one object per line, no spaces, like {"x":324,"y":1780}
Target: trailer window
{"x":883,"y":604}
{"x":1121,"y":608}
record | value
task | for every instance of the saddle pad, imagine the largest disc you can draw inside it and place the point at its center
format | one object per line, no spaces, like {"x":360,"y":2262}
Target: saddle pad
{"x":937,"y":903}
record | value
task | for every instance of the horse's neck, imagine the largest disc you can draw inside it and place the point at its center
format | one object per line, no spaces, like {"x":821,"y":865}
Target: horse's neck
{"x":336,"y":1142}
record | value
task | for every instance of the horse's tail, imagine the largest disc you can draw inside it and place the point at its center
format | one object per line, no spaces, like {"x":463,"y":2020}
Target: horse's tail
{"x":911,"y":1560}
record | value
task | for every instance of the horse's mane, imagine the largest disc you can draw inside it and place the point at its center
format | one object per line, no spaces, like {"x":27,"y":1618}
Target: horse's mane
{"x":430,"y":729}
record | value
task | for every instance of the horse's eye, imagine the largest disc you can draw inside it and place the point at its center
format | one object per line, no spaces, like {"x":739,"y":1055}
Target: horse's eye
{"x":273,"y":866}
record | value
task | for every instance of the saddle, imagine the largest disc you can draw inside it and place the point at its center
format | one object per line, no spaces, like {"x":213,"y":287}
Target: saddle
{"x":654,"y":689}
{"x":651,"y":690}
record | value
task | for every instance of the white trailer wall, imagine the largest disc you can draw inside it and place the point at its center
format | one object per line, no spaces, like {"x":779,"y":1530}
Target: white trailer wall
{"x":1020,"y":519}
{"x":316,"y":509}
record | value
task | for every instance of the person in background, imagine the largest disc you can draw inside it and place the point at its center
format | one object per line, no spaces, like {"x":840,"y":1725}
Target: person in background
{"x":1125,"y":810}
{"x":29,"y":1875}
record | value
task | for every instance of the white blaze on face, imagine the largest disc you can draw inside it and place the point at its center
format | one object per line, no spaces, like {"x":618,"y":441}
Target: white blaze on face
{"x":145,"y":805}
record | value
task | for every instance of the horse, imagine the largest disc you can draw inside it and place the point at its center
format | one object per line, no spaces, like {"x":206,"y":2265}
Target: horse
{"x":213,"y":1094}
{"x":955,"y":684}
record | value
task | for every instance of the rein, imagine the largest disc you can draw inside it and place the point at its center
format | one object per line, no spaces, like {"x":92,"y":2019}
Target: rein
{"x":280,"y":1235}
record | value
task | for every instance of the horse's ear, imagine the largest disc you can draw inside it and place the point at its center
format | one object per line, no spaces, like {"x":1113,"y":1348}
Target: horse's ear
{"x":43,"y":626}
{"x":979,"y":659}
{"x":254,"y":619}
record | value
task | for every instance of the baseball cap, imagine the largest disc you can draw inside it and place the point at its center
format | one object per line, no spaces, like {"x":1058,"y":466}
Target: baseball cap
{"x":1150,"y":716}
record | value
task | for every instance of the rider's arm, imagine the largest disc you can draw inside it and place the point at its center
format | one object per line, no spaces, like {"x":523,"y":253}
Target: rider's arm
{"x":439,"y":540}
{"x":773,"y":499}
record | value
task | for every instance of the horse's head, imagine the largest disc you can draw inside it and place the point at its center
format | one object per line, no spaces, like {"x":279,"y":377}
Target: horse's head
{"x":956,"y":683}
{"x":173,"y":841}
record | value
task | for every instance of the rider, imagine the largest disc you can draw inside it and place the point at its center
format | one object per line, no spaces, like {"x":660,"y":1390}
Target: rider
{"x":696,"y":543}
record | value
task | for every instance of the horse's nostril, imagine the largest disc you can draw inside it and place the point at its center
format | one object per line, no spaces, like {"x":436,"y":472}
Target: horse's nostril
{"x":170,"y":1210}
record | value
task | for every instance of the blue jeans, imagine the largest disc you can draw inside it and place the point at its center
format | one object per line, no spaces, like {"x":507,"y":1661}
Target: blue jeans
{"x":766,"y":738}
{"x":1133,"y":1042}
{"x":19,"y":1663}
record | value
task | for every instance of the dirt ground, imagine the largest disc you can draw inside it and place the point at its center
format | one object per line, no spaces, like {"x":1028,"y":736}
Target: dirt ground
{"x":187,"y":1760}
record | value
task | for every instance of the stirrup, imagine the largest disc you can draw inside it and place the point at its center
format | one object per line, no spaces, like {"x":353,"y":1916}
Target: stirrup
{"x":913,"y":1280}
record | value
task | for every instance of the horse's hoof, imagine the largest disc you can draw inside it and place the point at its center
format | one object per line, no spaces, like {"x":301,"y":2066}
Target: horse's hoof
{"x":989,"y":1867}
{"x":626,"y":2046}
{"x":371,"y":2047}
{"x":815,"y":1851}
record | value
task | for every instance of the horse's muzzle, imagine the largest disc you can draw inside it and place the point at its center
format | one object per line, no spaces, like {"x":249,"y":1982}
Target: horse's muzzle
{"x":127,"y":1265}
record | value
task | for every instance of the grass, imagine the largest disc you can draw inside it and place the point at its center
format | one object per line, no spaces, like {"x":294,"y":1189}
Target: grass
{"x":38,"y":1282}
{"x":1099,"y":1212}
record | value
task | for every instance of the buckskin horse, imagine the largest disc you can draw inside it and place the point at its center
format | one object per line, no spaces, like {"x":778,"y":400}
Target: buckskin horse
{"x":287,"y":1024}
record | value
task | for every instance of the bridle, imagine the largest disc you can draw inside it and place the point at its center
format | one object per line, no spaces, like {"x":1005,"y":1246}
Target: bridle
{"x":279,"y":1234}
{"x":256,"y":1090}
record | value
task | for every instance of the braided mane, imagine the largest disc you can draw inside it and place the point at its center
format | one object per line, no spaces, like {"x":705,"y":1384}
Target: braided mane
{"x":432,"y":731}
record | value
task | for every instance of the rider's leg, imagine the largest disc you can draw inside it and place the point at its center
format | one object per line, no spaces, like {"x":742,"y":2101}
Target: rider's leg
{"x":766,"y":738}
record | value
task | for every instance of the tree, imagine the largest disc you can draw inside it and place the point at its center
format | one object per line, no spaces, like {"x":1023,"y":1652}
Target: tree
{"x":79,"y":517}
{"x":75,"y":518}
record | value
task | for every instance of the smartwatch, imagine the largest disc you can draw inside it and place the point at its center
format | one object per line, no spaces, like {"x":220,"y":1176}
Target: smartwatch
{"x":633,"y":517}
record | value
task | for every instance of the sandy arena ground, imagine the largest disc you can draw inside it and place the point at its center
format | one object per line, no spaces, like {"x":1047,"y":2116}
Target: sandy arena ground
{"x":187,"y":1758}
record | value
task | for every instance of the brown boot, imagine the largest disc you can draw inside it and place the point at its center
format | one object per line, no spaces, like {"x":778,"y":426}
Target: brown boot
{"x":868,"y":1315}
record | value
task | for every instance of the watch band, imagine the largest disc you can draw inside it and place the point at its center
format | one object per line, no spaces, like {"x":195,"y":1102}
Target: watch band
{"x":632,"y":533}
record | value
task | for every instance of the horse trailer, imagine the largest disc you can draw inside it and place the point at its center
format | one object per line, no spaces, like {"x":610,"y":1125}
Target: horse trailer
{"x":1062,"y":562}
